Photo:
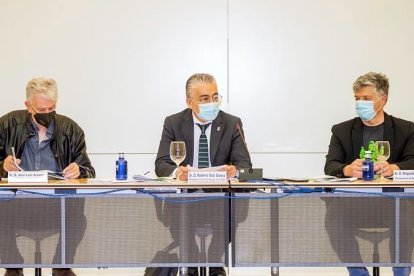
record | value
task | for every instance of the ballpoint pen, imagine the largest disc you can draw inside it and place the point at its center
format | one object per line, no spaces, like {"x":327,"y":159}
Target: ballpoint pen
{"x":15,"y":160}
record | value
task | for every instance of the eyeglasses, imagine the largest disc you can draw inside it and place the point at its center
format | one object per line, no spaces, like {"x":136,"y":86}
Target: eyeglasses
{"x":208,"y":99}
{"x":44,"y":109}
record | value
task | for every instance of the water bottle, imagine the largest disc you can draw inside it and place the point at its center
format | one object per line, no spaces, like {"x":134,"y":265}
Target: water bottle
{"x":121,"y":168}
{"x":367,"y":167}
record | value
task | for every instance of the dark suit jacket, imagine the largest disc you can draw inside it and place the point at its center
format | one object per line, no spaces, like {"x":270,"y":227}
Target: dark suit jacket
{"x":346,"y":142}
{"x":226,"y":145}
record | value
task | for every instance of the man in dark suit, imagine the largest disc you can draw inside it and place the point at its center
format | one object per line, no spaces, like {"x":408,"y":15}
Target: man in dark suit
{"x":226,"y":146}
{"x":203,"y":121}
{"x":373,"y":124}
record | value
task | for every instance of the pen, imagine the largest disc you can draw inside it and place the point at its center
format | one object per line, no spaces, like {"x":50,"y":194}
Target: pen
{"x":14,"y":159}
{"x":14,"y":153}
{"x":178,"y":175}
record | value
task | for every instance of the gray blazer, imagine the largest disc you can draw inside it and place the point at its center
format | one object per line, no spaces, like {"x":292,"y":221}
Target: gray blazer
{"x":226,"y":144}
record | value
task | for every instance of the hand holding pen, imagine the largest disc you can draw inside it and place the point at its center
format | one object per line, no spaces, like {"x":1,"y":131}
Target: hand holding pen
{"x":11,"y":163}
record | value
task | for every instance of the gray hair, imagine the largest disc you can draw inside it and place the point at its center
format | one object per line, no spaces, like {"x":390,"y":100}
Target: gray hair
{"x":198,"y":78}
{"x":377,"y":80}
{"x":42,"y":85}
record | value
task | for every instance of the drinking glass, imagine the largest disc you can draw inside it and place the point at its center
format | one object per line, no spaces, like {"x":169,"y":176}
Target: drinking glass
{"x":382,"y":149}
{"x":177,"y":152}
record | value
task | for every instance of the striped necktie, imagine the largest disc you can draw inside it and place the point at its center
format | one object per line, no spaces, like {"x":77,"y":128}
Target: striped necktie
{"x":203,"y":147}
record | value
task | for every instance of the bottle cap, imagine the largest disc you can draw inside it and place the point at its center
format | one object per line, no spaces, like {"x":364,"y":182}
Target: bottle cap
{"x":367,"y":154}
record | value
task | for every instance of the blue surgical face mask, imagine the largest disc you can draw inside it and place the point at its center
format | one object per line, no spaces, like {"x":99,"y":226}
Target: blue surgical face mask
{"x":209,"y":111}
{"x":365,"y":109}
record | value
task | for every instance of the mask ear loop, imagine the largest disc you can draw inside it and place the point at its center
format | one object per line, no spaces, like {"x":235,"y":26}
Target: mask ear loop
{"x":34,"y":119}
{"x":376,"y":111}
{"x":33,"y":109}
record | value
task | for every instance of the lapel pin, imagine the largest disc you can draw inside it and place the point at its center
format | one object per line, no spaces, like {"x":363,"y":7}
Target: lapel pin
{"x":218,"y":128}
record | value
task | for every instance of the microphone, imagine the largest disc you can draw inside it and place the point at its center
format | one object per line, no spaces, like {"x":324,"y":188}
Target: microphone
{"x":246,"y":174}
{"x":245,"y":145}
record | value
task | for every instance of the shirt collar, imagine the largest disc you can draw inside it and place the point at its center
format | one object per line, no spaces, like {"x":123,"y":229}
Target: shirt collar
{"x":197,"y":121}
{"x":50,"y":130}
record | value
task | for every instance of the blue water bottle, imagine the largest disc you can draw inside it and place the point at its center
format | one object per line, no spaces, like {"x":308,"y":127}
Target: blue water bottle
{"x":367,"y":167}
{"x":121,"y":168}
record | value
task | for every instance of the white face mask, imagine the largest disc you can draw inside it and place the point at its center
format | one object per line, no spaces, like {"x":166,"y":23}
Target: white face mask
{"x":209,"y":111}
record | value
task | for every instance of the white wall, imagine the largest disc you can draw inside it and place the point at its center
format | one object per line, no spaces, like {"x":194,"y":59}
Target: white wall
{"x":285,"y":67}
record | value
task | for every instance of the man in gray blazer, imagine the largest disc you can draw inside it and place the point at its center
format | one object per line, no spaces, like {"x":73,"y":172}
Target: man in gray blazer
{"x":223,"y":133}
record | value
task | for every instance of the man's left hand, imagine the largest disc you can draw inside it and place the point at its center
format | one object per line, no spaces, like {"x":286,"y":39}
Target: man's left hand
{"x":387,"y":169}
{"x":72,"y":171}
{"x":230,"y":170}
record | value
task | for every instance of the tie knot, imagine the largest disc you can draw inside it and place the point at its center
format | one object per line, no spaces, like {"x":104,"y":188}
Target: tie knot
{"x":203,"y":127}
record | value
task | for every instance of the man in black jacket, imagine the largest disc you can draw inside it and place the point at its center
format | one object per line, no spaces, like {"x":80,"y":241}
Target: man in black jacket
{"x":41,"y":140}
{"x":342,"y":160}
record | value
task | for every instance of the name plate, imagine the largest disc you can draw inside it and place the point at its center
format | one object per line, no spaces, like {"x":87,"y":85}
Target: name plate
{"x":403,"y":175}
{"x":27,"y":177}
{"x":209,"y":177}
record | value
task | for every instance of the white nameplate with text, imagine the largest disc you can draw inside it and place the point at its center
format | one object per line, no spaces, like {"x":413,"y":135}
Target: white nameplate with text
{"x":27,"y":177}
{"x":403,"y":175}
{"x":205,"y":176}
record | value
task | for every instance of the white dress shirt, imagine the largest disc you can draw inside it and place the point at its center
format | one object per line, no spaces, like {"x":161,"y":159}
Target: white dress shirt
{"x":197,"y":133}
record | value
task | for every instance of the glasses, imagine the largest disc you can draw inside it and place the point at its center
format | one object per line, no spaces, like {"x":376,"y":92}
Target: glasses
{"x":44,"y":110}
{"x":208,"y":99}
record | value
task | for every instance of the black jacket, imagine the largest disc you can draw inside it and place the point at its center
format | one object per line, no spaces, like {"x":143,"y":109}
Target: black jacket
{"x":346,"y":142}
{"x":67,"y":143}
{"x":226,"y":144}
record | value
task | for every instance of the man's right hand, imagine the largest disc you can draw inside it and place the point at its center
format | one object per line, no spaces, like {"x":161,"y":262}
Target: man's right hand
{"x":182,"y":173}
{"x":354,"y":169}
{"x":9,"y":165}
